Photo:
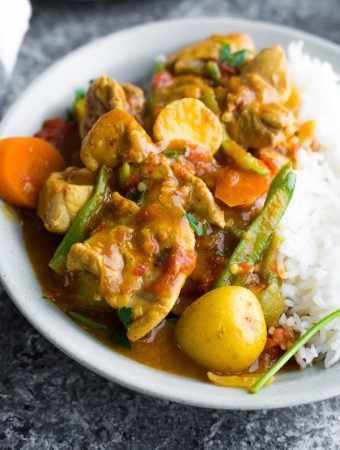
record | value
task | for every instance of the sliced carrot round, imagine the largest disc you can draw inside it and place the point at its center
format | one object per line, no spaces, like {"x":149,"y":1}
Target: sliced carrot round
{"x":191,"y":120}
{"x":237,"y":187}
{"x":25,"y":165}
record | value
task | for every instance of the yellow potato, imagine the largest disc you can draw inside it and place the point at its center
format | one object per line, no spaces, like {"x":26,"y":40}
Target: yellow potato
{"x":191,"y":120}
{"x":224,"y":330}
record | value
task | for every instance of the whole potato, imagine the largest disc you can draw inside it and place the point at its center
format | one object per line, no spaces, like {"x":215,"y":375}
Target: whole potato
{"x":224,"y":330}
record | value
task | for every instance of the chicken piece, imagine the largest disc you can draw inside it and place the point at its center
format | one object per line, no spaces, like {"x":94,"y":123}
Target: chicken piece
{"x":271,"y":66}
{"x":142,"y":268}
{"x":262,"y":125}
{"x":210,"y":48}
{"x":124,"y":206}
{"x":62,"y":196}
{"x":105,"y":94}
{"x":115,"y":138}
{"x":201,"y":200}
{"x":135,"y":100}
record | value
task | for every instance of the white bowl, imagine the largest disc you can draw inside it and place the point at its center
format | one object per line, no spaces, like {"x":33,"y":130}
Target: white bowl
{"x":128,"y":56}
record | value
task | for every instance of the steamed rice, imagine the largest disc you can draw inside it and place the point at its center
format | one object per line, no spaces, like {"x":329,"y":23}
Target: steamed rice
{"x":310,"y":253}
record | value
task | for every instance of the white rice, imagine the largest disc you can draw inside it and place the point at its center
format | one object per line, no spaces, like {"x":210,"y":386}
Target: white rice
{"x":311,"y":226}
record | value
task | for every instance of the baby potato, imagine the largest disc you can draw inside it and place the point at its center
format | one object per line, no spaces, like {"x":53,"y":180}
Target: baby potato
{"x":224,"y":330}
{"x":191,"y":120}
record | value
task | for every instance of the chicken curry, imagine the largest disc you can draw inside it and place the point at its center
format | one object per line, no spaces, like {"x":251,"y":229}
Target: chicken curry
{"x":157,"y":217}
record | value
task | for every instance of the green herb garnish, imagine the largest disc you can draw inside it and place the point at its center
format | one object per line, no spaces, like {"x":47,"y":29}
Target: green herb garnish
{"x":121,"y":338}
{"x":79,"y":94}
{"x":119,"y":335}
{"x":220,"y":253}
{"x":125,"y":316}
{"x":238,"y":58}
{"x":199,"y":228}
{"x":289,"y":353}
{"x":158,"y":66}
{"x":174,"y":154}
{"x":225,"y":52}
{"x":138,"y":196}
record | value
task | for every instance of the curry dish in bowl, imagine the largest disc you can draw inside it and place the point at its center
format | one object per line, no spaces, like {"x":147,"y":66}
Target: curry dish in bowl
{"x":157,"y":214}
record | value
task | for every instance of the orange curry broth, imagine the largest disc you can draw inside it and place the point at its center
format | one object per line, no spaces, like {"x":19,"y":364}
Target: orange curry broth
{"x":159,"y":349}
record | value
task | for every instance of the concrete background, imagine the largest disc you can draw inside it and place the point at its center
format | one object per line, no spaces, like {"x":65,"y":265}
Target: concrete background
{"x":47,"y":401}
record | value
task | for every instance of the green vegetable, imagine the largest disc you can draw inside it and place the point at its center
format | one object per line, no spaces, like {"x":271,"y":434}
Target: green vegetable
{"x":79,"y":95}
{"x":272,"y":302}
{"x":174,"y":154}
{"x":215,"y":72}
{"x":268,"y":264}
{"x":119,"y":335}
{"x":220,"y":253}
{"x":142,"y":187}
{"x":124,"y":173}
{"x":88,"y":322}
{"x":121,"y":338}
{"x":238,"y":59}
{"x":208,"y":97}
{"x":158,"y":66}
{"x":271,"y":298}
{"x":225,"y":52}
{"x":125,"y":316}
{"x":79,"y":229}
{"x":257,"y":236}
{"x":138,"y":196}
{"x":224,"y":279}
{"x":289,"y":353}
{"x":199,"y":228}
{"x":243,"y":159}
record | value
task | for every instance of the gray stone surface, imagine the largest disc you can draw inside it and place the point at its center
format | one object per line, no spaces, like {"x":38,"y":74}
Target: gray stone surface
{"x":47,"y":401}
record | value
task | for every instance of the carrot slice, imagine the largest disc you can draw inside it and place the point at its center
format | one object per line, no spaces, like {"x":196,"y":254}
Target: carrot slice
{"x":191,"y":120}
{"x":237,"y":187}
{"x":25,"y":164}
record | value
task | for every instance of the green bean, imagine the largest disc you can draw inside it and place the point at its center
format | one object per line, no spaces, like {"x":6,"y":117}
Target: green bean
{"x":79,"y":229}
{"x":257,"y":236}
{"x":272,"y":302}
{"x":243,"y":159}
{"x":209,"y":99}
{"x":269,"y":258}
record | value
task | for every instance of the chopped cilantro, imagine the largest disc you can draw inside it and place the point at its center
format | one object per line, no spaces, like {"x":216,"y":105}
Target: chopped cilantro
{"x":225,"y":52}
{"x":158,"y":66}
{"x":119,"y":335}
{"x":220,"y":253}
{"x":138,"y":196}
{"x":238,"y":58}
{"x":79,"y":94}
{"x":172,"y":154}
{"x":125,"y":316}
{"x":121,"y":338}
{"x":199,"y":228}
